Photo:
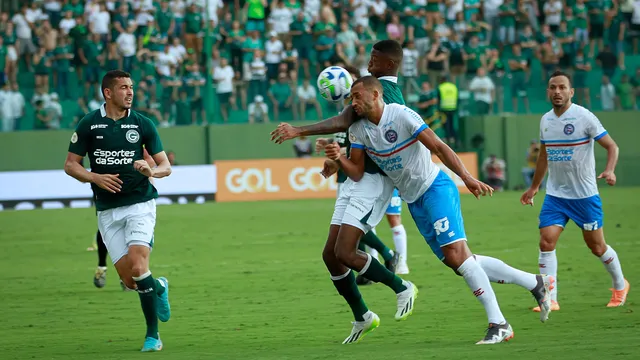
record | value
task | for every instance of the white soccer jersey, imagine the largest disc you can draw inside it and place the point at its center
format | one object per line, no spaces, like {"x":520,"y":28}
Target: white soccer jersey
{"x":393,"y":145}
{"x":569,"y":141}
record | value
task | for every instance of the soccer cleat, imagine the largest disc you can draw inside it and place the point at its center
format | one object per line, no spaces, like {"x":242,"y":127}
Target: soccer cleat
{"x":151,"y":344}
{"x":362,"y":281}
{"x":402,"y":268}
{"x":542,"y":294}
{"x":497,"y":333}
{"x":362,"y":328}
{"x":554,"y":306}
{"x":393,"y":263}
{"x":164,"y":309}
{"x":100,"y":277}
{"x":619,"y":297}
{"x":406,"y":299}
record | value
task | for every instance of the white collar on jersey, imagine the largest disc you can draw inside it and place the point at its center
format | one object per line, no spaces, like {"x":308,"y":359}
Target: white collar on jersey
{"x":103,"y":110}
{"x":393,"y":79}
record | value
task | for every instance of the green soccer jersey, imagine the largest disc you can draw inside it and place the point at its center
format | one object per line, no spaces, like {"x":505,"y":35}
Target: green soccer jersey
{"x":113,"y":147}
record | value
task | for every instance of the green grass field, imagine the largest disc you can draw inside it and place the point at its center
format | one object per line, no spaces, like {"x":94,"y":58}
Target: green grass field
{"x":248,"y":282}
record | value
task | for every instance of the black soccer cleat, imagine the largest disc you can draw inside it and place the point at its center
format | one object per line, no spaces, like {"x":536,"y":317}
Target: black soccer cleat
{"x":393,"y":263}
{"x":497,"y":333}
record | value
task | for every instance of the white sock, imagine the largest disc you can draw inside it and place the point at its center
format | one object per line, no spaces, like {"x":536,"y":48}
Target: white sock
{"x":400,"y":242}
{"x":373,"y":252}
{"x":612,"y":264}
{"x":548,"y":265}
{"x":501,"y":273}
{"x":478,"y":282}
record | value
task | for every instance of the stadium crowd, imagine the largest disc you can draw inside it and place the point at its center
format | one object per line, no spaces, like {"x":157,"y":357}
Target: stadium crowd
{"x":260,"y":59}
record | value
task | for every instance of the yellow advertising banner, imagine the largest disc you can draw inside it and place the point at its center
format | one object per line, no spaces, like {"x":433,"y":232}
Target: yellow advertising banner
{"x":288,"y":179}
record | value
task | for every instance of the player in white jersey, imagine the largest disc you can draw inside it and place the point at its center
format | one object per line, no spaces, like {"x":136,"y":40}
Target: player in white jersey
{"x":567,"y":137}
{"x":399,"y":141}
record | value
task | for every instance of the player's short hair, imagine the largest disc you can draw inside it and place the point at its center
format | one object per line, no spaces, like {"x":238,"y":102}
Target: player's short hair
{"x":109,"y":79}
{"x":391,"y":49}
{"x":369,"y":82}
{"x":560,"y":73}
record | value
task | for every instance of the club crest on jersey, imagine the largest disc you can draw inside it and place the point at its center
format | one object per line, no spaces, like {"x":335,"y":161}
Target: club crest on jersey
{"x":352,"y":137}
{"x":391,"y":136}
{"x":74,"y":138}
{"x":569,"y":129}
{"x":132,"y":136}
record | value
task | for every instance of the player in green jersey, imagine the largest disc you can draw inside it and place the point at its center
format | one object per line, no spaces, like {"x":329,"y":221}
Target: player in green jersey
{"x":113,"y":137}
{"x":360,"y":206}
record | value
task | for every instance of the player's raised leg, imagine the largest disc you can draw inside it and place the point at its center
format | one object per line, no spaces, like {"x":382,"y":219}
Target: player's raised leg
{"x":539,"y":285}
{"x":595,"y":241}
{"x":100,"y":277}
{"x":345,"y":282}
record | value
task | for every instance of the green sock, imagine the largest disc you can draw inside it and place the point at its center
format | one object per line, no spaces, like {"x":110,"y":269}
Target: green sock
{"x":378,"y":273}
{"x":148,"y":298}
{"x":362,"y":247}
{"x":373,"y":241}
{"x":158,"y":288}
{"x":346,"y":286}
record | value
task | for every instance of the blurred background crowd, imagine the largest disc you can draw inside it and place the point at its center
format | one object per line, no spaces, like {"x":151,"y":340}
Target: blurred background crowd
{"x":215,"y":61}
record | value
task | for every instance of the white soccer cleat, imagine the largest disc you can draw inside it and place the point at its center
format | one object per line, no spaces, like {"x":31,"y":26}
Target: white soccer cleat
{"x":406,"y":300}
{"x":362,"y":328}
{"x":497,"y":333}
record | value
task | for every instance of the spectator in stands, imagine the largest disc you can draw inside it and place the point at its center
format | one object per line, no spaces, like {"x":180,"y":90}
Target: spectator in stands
{"x":493,"y":169}
{"x":194,"y":82}
{"x":63,"y":56}
{"x":17,"y":105}
{"x":483,"y":90}
{"x":92,"y":56}
{"x":302,"y":147}
{"x":448,"y":100}
{"x":95,"y":102}
{"x":608,"y":61}
{"x":255,"y":10}
{"x":258,"y":83}
{"x":68,"y":23}
{"x":10,"y":38}
{"x":291,"y":59}
{"x":258,"y":110}
{"x":54,"y":110}
{"x":582,"y":67}
{"x":302,"y":39}
{"x":581,"y":13}
{"x":47,"y":36}
{"x":223,"y":76}
{"x":6,"y":111}
{"x":42,"y":64}
{"x":395,"y":30}
{"x":532,"y":158}
{"x":553,"y":14}
{"x":519,"y":65}
{"x":325,"y":46}
{"x":607,"y":94}
{"x":170,"y":86}
{"x":281,"y":96}
{"x":127,"y":46}
{"x":436,"y":59}
{"x":24,"y":34}
{"x":348,"y":39}
{"x":497,"y":71}
{"x":474,"y":55}
{"x":42,"y":119}
{"x":307,"y":96}
{"x":193,"y":26}
{"x":280,"y":18}
{"x":273,"y":55}
{"x":507,"y":31}
{"x":409,"y":69}
{"x":626,"y":97}
{"x":428,"y":103}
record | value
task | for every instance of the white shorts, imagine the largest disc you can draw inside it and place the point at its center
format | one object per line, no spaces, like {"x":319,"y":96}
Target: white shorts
{"x":362,"y":204}
{"x":129,"y":225}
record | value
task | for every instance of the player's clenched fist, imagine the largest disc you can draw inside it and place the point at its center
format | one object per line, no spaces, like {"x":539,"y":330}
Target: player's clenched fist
{"x":284,"y":132}
{"x":109,"y":182}
{"x":332,"y":151}
{"x":330,"y":167}
{"x":143,"y":167}
{"x":609,"y":176}
{"x":320,"y":144}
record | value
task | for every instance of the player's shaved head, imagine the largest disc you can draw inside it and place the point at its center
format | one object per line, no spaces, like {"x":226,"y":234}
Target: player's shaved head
{"x":369,"y":83}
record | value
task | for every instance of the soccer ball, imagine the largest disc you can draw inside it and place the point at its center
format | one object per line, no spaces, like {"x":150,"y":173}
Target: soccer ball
{"x":334,"y":84}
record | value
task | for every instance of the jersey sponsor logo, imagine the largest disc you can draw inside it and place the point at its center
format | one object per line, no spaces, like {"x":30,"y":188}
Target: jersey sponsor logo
{"x":441,"y":225}
{"x":99,"y":126}
{"x":569,"y":129}
{"x":128,"y":126}
{"x":108,"y":157}
{"x":391,"y":135}
{"x":74,"y":138}
{"x":132,"y":136}
{"x":559,"y":154}
{"x":387,"y":164}
{"x":592,"y":226}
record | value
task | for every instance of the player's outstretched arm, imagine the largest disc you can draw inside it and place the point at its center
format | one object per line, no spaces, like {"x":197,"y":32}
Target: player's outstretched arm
{"x":451,"y":160}
{"x":612,"y":159}
{"x":353,"y":166}
{"x":73,"y":167}
{"x":331,"y":125}
{"x":538,"y":176}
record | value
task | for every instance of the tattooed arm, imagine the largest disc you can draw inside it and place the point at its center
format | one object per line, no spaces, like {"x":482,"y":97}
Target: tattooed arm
{"x":331,"y":125}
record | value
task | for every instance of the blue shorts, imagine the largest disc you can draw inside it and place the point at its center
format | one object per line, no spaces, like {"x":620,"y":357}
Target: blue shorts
{"x":438,"y":216}
{"x":395,"y":206}
{"x":586,"y":213}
